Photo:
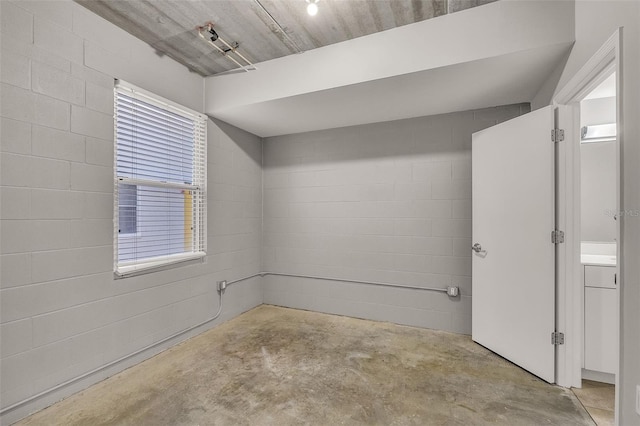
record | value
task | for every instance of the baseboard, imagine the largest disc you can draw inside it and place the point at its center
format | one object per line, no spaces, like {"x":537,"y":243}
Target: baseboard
{"x":599,"y":376}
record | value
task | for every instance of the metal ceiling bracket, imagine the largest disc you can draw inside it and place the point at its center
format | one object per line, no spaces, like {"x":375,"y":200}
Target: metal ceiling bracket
{"x":228,"y":49}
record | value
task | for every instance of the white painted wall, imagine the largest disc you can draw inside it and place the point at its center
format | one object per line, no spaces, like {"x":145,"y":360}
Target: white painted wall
{"x":598,"y":111}
{"x":598,"y":191}
{"x":386,"y":202}
{"x":595,"y":22}
{"x":598,"y":174}
{"x":61,"y":311}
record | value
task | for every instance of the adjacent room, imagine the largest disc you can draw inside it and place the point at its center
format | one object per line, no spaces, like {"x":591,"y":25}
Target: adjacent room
{"x":320,"y":212}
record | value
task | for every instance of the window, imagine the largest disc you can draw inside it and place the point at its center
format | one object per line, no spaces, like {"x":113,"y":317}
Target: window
{"x":160,"y":181}
{"x":127,"y":209}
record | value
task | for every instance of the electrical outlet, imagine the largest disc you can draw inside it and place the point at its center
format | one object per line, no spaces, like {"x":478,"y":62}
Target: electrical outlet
{"x":453,"y":291}
{"x":222,"y":285}
{"x":638,"y":399}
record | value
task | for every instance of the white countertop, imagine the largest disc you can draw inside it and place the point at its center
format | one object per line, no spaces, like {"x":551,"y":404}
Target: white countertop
{"x":598,"y":253}
{"x":598,"y":259}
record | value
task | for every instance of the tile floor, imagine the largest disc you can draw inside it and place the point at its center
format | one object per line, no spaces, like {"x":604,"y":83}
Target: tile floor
{"x":599,"y":399}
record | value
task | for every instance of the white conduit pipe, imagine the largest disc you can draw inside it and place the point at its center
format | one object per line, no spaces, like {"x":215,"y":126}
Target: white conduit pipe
{"x":193,"y":327}
{"x":277,"y":24}
{"x":114,"y":362}
{"x":312,"y":277}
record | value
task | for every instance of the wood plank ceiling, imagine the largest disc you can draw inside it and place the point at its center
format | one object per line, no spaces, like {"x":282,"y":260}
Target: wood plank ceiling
{"x":169,"y":26}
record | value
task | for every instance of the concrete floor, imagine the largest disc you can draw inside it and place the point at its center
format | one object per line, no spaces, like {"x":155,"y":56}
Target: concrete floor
{"x":283,"y":366}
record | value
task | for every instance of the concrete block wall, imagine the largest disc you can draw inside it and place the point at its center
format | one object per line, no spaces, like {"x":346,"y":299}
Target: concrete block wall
{"x":385,"y":202}
{"x":62,"y":313}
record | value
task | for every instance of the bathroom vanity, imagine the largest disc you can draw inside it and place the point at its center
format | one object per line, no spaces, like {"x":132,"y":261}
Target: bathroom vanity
{"x":600,"y":316}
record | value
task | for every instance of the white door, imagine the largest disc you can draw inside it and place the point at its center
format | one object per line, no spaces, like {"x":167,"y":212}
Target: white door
{"x":514,"y":260}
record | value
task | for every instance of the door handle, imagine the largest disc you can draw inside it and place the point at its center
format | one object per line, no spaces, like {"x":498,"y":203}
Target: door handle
{"x":477,"y":248}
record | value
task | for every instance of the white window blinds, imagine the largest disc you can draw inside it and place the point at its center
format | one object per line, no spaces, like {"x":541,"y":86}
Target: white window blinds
{"x":160,"y":181}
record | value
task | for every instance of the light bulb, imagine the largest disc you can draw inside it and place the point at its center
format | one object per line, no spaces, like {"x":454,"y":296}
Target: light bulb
{"x":312,"y":9}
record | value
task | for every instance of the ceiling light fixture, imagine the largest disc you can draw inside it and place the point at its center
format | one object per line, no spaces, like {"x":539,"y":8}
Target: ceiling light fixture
{"x":598,"y":133}
{"x":312,"y":7}
{"x":213,"y":36}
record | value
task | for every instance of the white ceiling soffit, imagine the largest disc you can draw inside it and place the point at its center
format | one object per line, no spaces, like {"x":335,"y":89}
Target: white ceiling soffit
{"x":508,"y":79}
{"x":499,"y":53}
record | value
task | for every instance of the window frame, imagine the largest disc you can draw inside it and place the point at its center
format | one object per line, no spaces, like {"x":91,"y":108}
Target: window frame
{"x":197,"y":187}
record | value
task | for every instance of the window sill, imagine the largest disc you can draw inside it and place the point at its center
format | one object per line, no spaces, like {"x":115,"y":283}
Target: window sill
{"x":129,"y":269}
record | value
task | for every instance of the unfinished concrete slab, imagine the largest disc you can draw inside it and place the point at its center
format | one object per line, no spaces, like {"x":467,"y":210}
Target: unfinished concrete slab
{"x":264,"y":29}
{"x":280,"y":366}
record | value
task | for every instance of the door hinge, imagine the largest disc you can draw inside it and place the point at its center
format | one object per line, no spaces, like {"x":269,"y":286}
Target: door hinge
{"x":557,"y":135}
{"x":557,"y":237}
{"x":557,"y":338}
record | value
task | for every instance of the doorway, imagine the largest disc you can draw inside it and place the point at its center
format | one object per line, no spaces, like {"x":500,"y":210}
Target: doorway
{"x":589,"y":183}
{"x":598,"y":249}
